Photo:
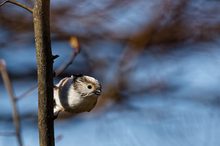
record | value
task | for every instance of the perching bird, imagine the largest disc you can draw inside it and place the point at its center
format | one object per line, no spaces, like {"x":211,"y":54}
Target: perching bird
{"x":76,"y":94}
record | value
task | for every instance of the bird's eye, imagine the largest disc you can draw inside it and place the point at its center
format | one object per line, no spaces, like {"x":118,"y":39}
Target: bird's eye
{"x":89,"y":87}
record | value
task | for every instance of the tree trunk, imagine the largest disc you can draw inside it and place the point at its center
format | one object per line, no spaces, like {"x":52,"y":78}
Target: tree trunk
{"x":41,"y":14}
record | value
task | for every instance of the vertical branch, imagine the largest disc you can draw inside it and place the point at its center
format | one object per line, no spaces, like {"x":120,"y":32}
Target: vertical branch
{"x":15,"y":114}
{"x":41,"y":14}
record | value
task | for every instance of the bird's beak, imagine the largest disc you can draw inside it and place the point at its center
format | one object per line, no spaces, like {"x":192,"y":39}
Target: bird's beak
{"x":97,"y":92}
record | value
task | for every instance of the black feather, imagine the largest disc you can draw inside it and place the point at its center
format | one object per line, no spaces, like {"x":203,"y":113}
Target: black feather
{"x":75,"y":76}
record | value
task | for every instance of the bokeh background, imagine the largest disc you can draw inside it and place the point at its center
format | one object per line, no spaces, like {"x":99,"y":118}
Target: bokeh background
{"x":157,"y":62}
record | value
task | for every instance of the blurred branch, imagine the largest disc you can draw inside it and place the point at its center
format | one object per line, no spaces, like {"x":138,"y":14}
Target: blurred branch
{"x":136,"y":44}
{"x":17,"y":4}
{"x":74,"y":43}
{"x":7,"y":133}
{"x":8,"y":86}
{"x":58,"y":138}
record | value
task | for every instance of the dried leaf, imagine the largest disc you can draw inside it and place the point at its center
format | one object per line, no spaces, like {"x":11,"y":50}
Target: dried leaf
{"x":74,"y":43}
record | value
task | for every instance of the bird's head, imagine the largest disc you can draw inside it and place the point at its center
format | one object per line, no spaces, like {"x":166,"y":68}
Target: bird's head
{"x":86,"y":85}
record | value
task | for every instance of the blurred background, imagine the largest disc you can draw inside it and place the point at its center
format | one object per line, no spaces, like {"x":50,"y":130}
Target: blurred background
{"x":157,"y":62}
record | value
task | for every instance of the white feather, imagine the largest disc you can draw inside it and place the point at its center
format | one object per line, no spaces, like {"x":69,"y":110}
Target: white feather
{"x":74,"y":97}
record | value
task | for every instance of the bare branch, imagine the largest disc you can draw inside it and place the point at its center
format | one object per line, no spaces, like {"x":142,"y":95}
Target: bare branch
{"x":17,"y":4}
{"x":74,"y":43}
{"x":26,"y":93}
{"x":76,"y":49}
{"x":8,"y":86}
{"x":67,"y":64}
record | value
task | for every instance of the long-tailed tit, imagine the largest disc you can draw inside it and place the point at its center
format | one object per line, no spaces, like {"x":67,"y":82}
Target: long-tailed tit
{"x":76,"y":94}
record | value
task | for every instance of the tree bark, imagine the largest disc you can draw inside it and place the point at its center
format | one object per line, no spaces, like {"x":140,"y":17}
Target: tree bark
{"x":41,"y":15}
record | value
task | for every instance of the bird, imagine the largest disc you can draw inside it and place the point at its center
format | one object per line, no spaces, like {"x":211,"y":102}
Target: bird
{"x":76,"y":94}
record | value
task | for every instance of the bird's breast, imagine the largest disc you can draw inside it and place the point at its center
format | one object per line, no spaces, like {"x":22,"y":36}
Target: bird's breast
{"x":82,"y":105}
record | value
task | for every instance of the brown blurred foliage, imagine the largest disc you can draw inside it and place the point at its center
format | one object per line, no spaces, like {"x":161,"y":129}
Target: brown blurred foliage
{"x":171,"y":21}
{"x":164,"y":23}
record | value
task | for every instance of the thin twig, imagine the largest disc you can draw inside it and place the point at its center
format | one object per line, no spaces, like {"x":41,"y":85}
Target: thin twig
{"x":8,"y":86}
{"x":67,"y":64}
{"x":76,"y":49}
{"x":17,"y":4}
{"x":26,"y":93}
